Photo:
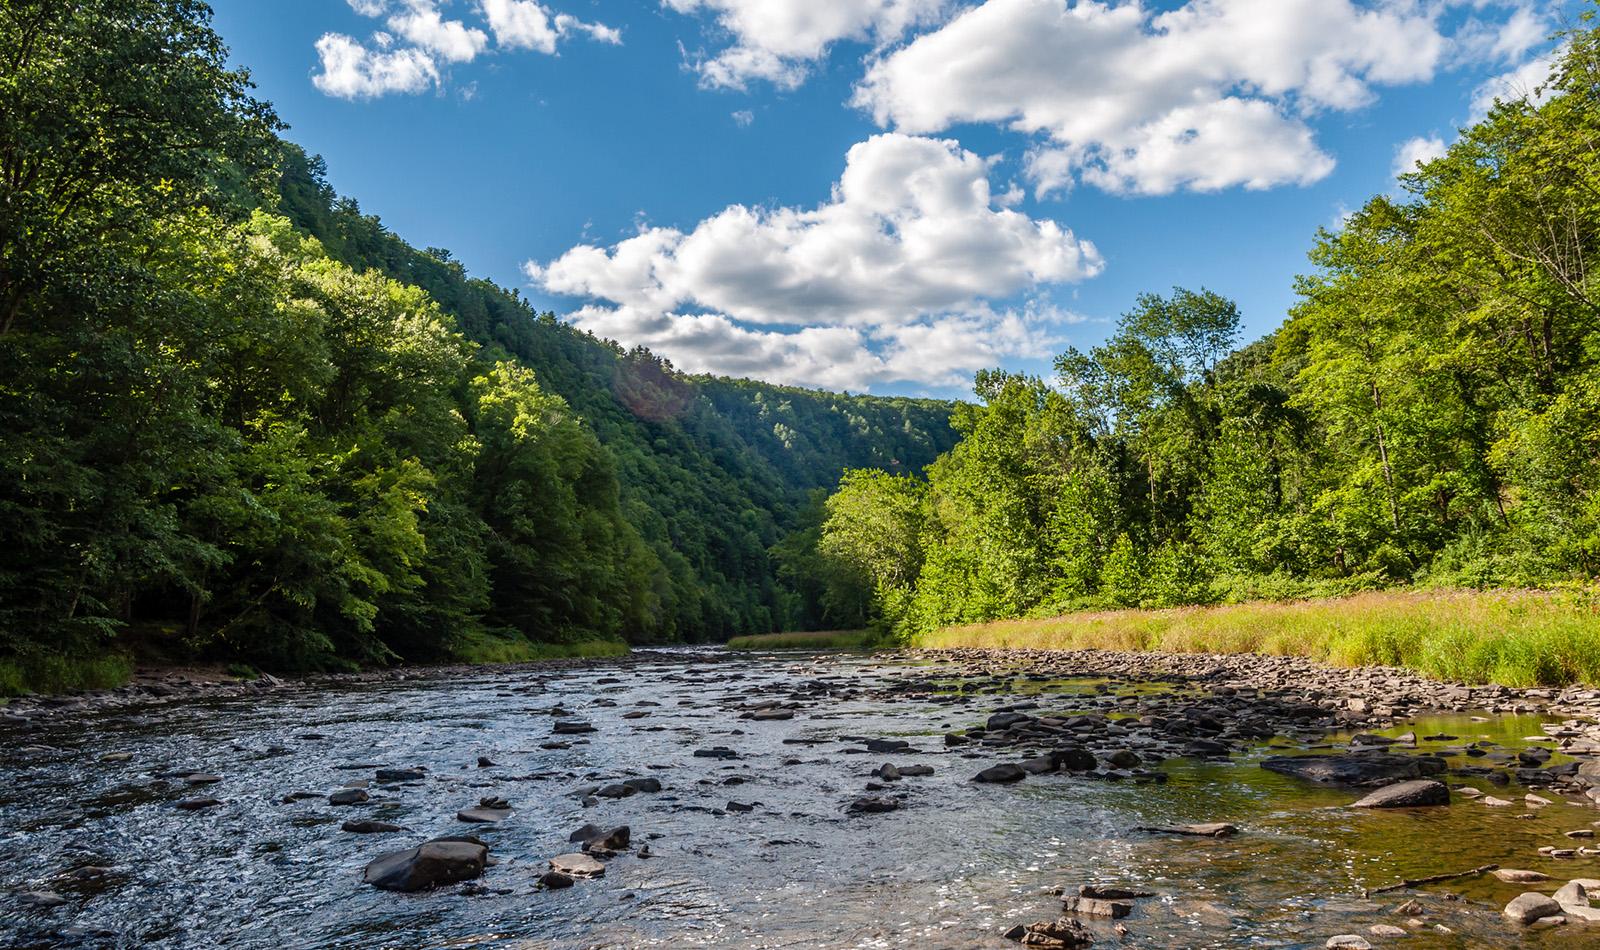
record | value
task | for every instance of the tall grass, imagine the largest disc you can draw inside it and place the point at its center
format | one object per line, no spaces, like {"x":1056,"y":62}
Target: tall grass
{"x":814,"y":640}
{"x":1515,"y":638}
{"x":60,"y":674}
{"x":488,"y":648}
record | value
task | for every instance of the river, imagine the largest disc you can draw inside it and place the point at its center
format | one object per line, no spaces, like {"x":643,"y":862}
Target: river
{"x":956,"y":865}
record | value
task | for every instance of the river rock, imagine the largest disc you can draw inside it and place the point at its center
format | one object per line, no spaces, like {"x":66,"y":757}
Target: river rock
{"x":571,"y":727}
{"x":643,"y":784}
{"x":555,"y":880}
{"x":1211,"y":829}
{"x":604,"y":842}
{"x":1356,"y":770}
{"x":348,"y":796}
{"x":369,"y":827}
{"x":577,"y":865}
{"x":489,"y":810}
{"x":1519,"y":876}
{"x":1096,"y":907}
{"x":429,"y":865}
{"x":1002,"y":773}
{"x":401,"y":775}
{"x":873,"y":804}
{"x":1529,"y":907}
{"x":1059,"y":934}
{"x":196,"y":804}
{"x":1349,"y":942}
{"x":1416,"y":793}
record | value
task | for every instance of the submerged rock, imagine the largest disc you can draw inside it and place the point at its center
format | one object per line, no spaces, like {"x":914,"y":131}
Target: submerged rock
{"x":1360,"y":771}
{"x":1212,"y":829}
{"x":429,"y":865}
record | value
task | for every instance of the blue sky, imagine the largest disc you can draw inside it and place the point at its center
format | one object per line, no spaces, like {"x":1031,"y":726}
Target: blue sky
{"x":877,"y":195}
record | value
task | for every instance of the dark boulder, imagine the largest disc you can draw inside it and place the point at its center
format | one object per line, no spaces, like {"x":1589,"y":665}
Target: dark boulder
{"x":1416,"y":793}
{"x":429,"y":865}
{"x":1357,"y":771}
{"x":1002,"y":773}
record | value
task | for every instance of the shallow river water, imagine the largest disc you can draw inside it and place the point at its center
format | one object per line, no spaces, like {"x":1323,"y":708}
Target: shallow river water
{"x":956,"y":867}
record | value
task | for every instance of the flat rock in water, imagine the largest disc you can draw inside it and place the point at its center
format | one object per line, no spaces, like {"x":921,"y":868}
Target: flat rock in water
{"x":873,"y":804}
{"x":577,"y":865}
{"x":571,"y":728}
{"x":1530,"y":907}
{"x":483,"y":815}
{"x":369,"y":827}
{"x":1096,"y":907}
{"x":1210,"y":829}
{"x":401,"y":775}
{"x":196,"y":804}
{"x":1059,"y":934}
{"x":1360,"y":771}
{"x":429,"y":865}
{"x":1519,"y":876}
{"x":1004,"y":772}
{"x":348,"y":796}
{"x":1348,"y":942}
{"x":1416,"y":793}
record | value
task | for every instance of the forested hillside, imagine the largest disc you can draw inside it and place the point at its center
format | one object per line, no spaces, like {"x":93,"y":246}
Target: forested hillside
{"x":1429,"y":414}
{"x":239,"y":419}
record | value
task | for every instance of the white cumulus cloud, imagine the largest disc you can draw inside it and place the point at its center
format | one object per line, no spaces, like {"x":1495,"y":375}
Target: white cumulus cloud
{"x":891,"y":278}
{"x":779,"y":40}
{"x":1420,"y":149}
{"x":1210,"y":95}
{"x":427,"y":40}
{"x":353,"y":71}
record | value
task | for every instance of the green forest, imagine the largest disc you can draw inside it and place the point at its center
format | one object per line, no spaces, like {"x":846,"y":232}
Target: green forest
{"x":242,"y":421}
{"x":1428,"y":415}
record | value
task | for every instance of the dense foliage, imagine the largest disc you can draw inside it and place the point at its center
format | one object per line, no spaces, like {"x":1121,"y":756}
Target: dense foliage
{"x":1429,"y":414}
{"x":240,"y":419}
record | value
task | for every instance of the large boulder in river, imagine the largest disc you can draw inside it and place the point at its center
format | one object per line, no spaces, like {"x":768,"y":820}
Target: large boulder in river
{"x":1357,"y":771}
{"x":431,"y":864}
{"x":1532,"y":906}
{"x":1416,"y":793}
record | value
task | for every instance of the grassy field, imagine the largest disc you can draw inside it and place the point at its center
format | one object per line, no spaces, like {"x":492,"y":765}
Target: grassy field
{"x":817,"y":640}
{"x":1515,"y":638}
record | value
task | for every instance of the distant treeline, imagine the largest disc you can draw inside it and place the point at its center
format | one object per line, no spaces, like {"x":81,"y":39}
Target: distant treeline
{"x":239,"y":419}
{"x":1429,"y":414}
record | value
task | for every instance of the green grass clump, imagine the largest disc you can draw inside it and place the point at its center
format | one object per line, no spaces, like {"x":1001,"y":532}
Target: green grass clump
{"x":489,"y":648}
{"x":61,"y":674}
{"x":1515,"y":638}
{"x":809,"y":640}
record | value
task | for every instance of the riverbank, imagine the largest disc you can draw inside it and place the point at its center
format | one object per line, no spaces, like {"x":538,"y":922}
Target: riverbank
{"x":811,"y":640}
{"x":1513,"y":638}
{"x":62,"y":675}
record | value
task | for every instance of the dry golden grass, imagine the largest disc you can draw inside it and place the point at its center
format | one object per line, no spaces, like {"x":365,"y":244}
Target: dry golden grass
{"x":1517,"y":638}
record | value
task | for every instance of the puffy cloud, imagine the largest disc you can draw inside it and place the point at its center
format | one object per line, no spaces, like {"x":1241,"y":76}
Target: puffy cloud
{"x":528,"y":24}
{"x":1526,"y":81}
{"x":1415,"y":151}
{"x":890,"y":278}
{"x":778,"y":40}
{"x":353,"y":70}
{"x":1210,"y":95}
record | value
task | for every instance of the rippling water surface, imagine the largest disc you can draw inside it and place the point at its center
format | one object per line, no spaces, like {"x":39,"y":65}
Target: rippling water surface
{"x":955,"y":867}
